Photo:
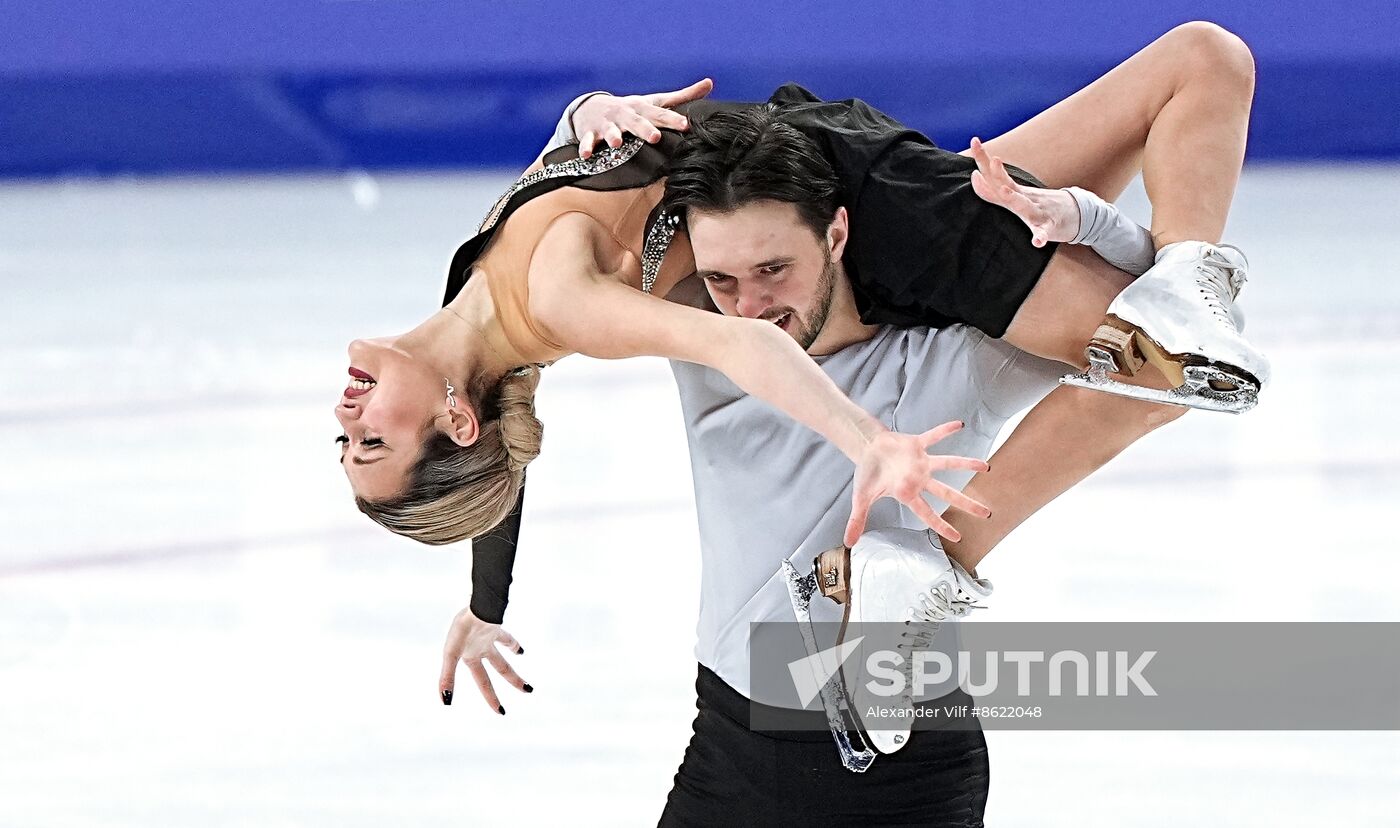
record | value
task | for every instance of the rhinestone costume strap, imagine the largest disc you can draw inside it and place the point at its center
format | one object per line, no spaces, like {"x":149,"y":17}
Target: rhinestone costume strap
{"x":609,"y":159}
{"x":658,"y":241}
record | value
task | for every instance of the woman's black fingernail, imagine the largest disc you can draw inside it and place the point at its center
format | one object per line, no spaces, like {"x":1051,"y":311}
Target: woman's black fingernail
{"x":447,"y":697}
{"x":529,"y":689}
{"x":501,"y":709}
{"x":520,"y":651}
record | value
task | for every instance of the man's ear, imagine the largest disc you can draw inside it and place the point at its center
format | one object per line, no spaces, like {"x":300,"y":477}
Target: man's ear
{"x":837,"y":233}
{"x":460,"y":424}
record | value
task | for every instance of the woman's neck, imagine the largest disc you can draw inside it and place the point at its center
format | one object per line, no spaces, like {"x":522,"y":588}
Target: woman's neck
{"x":465,"y":340}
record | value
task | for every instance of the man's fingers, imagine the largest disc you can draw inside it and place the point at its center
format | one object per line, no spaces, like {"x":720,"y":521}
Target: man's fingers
{"x":988,"y":193}
{"x":507,"y":672}
{"x":984,"y":191}
{"x":483,"y":684}
{"x":1000,"y":174}
{"x":991,"y":166}
{"x":925,"y":512}
{"x":662,"y":117}
{"x":1011,"y":198}
{"x":586,"y":142}
{"x":694,"y":92}
{"x":855,"y":527}
{"x":642,"y":128}
{"x":613,"y":135}
{"x":937,"y":433}
{"x":979,"y":153}
{"x":1021,"y":204}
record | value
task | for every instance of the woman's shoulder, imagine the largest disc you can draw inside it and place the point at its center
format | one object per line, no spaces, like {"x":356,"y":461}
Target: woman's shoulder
{"x":575,"y":253}
{"x":577,"y":244}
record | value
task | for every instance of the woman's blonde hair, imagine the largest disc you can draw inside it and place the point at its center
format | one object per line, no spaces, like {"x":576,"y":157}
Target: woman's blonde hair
{"x":455,"y":493}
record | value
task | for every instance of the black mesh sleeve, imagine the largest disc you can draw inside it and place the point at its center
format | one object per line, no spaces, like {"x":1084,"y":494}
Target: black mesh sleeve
{"x":493,"y":558}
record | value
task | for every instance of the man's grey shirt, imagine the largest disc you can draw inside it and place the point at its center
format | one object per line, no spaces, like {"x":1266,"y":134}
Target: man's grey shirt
{"x":768,"y":488}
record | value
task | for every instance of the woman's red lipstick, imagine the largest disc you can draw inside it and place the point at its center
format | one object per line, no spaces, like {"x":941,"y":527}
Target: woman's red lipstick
{"x":352,"y":392}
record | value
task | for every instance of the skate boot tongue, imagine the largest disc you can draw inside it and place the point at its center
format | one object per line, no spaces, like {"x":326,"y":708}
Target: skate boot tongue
{"x":970,"y":589}
{"x":1221,"y":278}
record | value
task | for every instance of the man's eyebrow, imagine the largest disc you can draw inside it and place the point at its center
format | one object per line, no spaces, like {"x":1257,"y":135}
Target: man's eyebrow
{"x":777,"y":260}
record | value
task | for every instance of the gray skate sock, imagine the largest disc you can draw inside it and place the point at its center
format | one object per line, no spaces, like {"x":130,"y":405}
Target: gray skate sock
{"x":1118,"y":239}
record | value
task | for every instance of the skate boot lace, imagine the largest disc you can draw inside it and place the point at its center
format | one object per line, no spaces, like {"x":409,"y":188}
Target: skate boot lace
{"x":935,"y":605}
{"x":1219,"y":281}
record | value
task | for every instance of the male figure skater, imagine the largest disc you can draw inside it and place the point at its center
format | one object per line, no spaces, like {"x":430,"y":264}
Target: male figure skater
{"x":741,"y":263}
{"x":742,"y":454}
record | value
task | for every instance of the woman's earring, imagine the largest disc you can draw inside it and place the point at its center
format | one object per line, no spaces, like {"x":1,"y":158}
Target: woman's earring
{"x":451,"y":393}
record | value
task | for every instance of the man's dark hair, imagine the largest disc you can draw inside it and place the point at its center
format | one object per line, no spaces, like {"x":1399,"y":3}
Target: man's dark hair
{"x":732,"y":159}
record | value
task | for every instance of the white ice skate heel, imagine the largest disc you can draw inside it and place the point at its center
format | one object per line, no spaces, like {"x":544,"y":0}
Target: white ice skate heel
{"x":895,"y":576}
{"x":1181,"y":316}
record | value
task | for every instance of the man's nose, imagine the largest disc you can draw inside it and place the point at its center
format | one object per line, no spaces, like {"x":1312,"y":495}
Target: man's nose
{"x":752,"y":302}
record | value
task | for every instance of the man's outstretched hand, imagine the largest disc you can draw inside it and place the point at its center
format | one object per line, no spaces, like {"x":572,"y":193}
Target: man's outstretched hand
{"x":606,"y":117}
{"x":472,"y":641}
{"x":1052,"y":215}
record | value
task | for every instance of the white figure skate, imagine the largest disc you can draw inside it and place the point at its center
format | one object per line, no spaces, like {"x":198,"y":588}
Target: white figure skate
{"x":1181,"y":316}
{"x":890,"y":576}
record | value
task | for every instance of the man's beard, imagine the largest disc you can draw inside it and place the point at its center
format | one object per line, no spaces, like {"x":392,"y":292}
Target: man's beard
{"x":811,"y":327}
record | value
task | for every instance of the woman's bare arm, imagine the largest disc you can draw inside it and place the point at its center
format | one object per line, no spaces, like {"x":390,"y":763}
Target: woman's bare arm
{"x":1059,"y":444}
{"x":591,"y":312}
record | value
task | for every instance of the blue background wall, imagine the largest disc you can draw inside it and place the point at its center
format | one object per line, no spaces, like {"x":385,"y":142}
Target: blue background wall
{"x":160,"y":86}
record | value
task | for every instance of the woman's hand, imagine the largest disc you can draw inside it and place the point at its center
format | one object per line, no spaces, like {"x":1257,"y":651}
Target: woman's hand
{"x":472,"y":641}
{"x":899,"y":466}
{"x":1052,"y":215}
{"x":606,"y":117}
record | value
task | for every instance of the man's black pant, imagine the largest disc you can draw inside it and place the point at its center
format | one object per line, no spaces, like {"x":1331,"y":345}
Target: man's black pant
{"x":734,"y":776}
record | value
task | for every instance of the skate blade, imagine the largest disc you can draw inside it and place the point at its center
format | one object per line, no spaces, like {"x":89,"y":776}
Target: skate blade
{"x":832,"y":572}
{"x":856,"y":754}
{"x":1120,"y":347}
{"x":1196,"y":391}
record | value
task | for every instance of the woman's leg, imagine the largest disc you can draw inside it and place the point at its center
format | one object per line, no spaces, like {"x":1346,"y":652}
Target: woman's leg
{"x":1068,"y":435}
{"x":1178,"y":111}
